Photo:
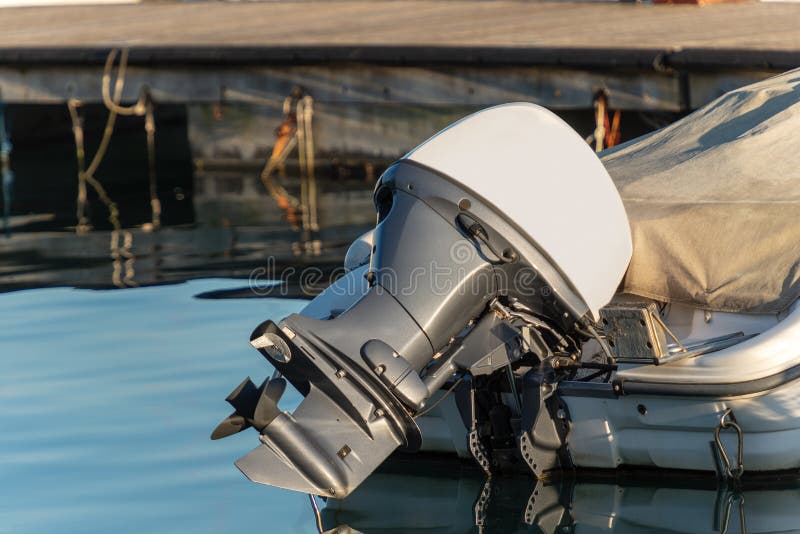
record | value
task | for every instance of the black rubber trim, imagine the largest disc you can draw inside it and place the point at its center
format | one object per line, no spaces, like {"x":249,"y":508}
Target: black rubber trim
{"x":371,"y":54}
{"x":735,"y":389}
{"x":701,"y":58}
{"x":598,"y":390}
{"x":631,"y":387}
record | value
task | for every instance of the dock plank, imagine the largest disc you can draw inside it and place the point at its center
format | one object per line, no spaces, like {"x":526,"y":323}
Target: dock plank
{"x":741,"y":26}
{"x":646,"y":57}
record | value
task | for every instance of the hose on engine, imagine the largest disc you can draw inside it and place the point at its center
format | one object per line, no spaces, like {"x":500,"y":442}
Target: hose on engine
{"x":603,"y":344}
{"x":476,"y":231}
{"x":525,"y":314}
{"x":430,"y":408}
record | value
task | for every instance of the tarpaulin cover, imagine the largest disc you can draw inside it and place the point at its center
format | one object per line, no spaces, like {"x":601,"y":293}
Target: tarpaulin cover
{"x":714,"y":202}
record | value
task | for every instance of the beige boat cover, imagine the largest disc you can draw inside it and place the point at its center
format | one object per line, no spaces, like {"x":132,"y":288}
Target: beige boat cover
{"x":714,"y":202}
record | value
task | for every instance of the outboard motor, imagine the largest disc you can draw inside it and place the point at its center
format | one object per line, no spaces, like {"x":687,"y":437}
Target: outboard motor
{"x":497,"y":241}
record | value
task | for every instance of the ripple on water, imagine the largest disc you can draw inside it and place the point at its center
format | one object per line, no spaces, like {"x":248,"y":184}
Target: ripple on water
{"x":107,"y":400}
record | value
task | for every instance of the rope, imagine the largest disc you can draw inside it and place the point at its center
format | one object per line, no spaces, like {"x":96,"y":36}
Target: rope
{"x":600,"y":118}
{"x":150,"y":130}
{"x":308,"y":183}
{"x":144,"y":106}
{"x":296,"y":132}
{"x":302,"y":147}
{"x":305,"y":114}
{"x":86,"y":175}
{"x":116,"y":252}
{"x":615,"y":134}
{"x":440,"y":399}
{"x":317,"y":515}
{"x":607,"y":132}
{"x":139,"y":108}
{"x":77,"y":133}
{"x":286,"y":141}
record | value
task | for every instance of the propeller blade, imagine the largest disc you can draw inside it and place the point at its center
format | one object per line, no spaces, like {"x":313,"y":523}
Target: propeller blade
{"x":275,"y":389}
{"x":267,"y":407}
{"x":231,"y":425}
{"x":245,"y":398}
{"x":255,"y":406}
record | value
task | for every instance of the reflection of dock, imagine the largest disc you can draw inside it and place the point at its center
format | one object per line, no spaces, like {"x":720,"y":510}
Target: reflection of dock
{"x":230,"y":193}
{"x":170,"y":255}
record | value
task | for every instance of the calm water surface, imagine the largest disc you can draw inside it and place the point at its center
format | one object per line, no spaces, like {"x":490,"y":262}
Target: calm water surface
{"x":108,"y":396}
{"x":107,"y":399}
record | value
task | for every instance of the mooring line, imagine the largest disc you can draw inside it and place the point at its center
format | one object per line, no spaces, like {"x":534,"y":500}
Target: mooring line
{"x":150,"y":130}
{"x":296,"y":131}
{"x":143,"y":107}
{"x":86,"y":175}
{"x":607,"y":132}
{"x":317,"y":515}
{"x":287,"y":140}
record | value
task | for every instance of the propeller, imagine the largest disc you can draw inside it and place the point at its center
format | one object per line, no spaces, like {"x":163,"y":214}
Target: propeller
{"x":253,"y":406}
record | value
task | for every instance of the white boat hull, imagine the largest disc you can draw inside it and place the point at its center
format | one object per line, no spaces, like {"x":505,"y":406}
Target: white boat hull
{"x":676,"y":433}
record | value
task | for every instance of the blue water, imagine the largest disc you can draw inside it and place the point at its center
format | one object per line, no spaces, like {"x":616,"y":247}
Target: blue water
{"x":107,"y":400}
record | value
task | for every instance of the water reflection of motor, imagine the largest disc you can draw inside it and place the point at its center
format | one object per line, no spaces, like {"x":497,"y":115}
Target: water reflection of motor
{"x":448,"y":503}
{"x":424,"y":499}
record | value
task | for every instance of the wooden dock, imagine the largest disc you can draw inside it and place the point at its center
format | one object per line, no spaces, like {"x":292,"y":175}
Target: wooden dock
{"x":422,"y":52}
{"x":385,"y":74}
{"x":761,"y":34}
